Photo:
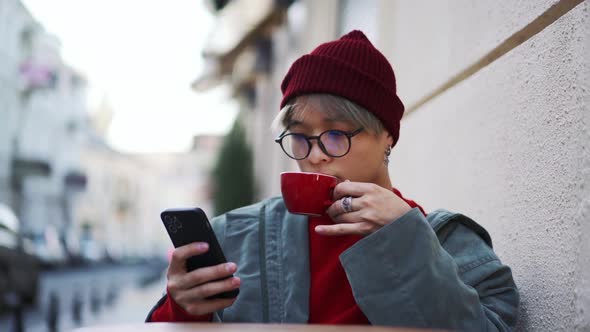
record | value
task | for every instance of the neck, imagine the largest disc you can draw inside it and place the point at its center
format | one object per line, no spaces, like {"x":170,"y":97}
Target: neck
{"x":383,"y":180}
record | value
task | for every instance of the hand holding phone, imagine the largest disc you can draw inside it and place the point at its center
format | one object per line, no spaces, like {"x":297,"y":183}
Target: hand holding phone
{"x":199,"y":278}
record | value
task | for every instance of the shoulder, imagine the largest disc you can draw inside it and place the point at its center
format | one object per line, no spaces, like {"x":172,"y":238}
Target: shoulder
{"x":445,"y":223}
{"x":250,"y":213}
{"x":465,"y":240}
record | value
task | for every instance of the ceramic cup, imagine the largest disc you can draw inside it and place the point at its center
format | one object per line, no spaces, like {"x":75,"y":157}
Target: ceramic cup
{"x":307,"y":193}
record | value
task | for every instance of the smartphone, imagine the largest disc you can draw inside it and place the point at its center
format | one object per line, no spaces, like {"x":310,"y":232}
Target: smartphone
{"x":190,"y":225}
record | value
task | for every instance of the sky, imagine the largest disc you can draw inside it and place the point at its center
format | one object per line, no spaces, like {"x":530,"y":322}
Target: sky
{"x":142,"y":56}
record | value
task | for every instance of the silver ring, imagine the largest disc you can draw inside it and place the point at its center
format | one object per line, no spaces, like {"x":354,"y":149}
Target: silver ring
{"x":347,"y":204}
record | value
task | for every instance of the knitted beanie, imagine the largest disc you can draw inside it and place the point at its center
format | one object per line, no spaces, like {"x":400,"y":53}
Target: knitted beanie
{"x":352,"y":68}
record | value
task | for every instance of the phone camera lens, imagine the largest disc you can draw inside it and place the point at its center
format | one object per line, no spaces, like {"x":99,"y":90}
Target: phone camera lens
{"x":177,"y":223}
{"x":168,"y":219}
{"x":172,"y":229}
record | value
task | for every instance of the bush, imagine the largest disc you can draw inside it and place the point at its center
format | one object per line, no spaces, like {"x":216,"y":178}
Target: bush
{"x":233,"y":174}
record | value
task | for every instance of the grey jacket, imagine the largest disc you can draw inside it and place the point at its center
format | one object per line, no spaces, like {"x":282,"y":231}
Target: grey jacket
{"x":438,"y":271}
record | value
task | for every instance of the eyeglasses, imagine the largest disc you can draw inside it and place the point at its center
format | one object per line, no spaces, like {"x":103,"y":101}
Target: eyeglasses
{"x":334,"y":143}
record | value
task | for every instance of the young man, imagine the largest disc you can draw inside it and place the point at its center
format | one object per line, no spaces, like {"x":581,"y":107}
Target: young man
{"x":375,"y":257}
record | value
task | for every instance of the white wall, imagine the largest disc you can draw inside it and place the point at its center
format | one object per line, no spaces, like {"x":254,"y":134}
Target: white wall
{"x":13,"y":19}
{"x":509,"y":146}
{"x":429,"y":41}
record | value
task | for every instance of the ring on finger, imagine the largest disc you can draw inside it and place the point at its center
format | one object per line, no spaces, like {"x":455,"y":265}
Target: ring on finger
{"x":347,"y":204}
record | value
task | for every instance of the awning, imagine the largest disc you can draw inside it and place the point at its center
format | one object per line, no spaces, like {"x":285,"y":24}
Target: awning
{"x":27,"y":167}
{"x":22,"y":168}
{"x":209,"y":77}
{"x":236,"y":23}
{"x":238,"y":26}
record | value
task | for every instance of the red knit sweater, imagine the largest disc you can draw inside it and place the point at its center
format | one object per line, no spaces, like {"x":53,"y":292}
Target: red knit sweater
{"x":330,"y":298}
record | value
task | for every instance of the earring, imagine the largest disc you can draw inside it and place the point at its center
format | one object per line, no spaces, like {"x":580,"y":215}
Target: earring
{"x":387,"y":153}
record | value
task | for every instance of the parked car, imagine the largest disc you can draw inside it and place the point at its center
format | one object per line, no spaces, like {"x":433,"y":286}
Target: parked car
{"x":19,"y":270}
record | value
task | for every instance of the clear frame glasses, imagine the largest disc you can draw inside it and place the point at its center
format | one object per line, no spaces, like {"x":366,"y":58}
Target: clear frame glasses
{"x":334,"y":143}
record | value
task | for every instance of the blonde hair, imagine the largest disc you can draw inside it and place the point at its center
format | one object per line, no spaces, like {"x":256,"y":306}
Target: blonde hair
{"x":340,"y":108}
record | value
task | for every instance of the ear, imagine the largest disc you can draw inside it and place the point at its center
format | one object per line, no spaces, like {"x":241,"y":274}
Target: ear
{"x":388,"y":138}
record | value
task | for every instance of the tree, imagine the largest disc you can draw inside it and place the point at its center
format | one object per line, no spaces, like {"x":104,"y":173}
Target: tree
{"x":233,"y":174}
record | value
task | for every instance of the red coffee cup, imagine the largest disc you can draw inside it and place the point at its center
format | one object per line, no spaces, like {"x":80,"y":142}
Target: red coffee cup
{"x":307,"y":193}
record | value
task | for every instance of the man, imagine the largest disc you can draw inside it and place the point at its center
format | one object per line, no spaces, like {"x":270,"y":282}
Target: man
{"x":374,"y":257}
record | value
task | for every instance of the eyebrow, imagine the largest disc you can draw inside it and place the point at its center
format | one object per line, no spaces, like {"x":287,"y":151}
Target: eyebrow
{"x":294,"y":123}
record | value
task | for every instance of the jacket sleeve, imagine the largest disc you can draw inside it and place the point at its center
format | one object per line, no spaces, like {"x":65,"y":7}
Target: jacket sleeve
{"x":402,"y":275}
{"x":167,"y":310}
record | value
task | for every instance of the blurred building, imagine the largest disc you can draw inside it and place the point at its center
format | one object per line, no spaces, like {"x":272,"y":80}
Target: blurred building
{"x":44,"y":123}
{"x":245,"y":56}
{"x":254,"y":56}
{"x":15,"y":24}
{"x":118,"y":214}
{"x":496,"y":124}
{"x":75,"y":196}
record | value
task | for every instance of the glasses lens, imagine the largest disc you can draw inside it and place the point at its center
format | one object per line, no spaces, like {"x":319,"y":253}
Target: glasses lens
{"x":336,"y":142}
{"x":296,"y":146}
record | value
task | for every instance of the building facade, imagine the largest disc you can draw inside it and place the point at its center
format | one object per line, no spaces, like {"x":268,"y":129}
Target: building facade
{"x":43,"y":127}
{"x":15,"y":20}
{"x":75,"y":196}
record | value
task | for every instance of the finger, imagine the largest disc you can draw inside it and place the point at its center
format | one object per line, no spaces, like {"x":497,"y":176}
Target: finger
{"x":359,"y":228}
{"x":213,"y":288}
{"x":337,"y":208}
{"x":349,"y":218}
{"x":354,"y":189}
{"x":181,"y":254}
{"x":203,"y":307}
{"x":207,"y":274}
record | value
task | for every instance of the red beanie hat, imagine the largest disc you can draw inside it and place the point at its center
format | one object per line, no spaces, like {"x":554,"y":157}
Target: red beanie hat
{"x":352,"y":68}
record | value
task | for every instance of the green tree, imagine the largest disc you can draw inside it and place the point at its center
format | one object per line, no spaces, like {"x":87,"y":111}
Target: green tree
{"x":233,"y":174}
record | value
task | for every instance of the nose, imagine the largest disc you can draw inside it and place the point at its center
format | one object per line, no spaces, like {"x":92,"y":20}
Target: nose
{"x":316,"y":155}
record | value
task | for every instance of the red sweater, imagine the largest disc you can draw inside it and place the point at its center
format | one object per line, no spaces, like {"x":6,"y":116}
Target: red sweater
{"x":330,"y":298}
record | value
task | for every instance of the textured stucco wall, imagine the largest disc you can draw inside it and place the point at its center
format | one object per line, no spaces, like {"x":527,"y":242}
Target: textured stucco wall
{"x":428,"y":41}
{"x":510,"y":147}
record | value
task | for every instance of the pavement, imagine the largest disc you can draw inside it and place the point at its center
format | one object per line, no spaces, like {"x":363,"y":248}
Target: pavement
{"x":92,"y":296}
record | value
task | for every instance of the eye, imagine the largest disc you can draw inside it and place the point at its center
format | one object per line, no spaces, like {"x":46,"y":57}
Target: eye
{"x":336,"y":134}
{"x":297,"y":137}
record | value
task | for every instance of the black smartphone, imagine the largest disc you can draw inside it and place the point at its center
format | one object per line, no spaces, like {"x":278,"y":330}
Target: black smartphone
{"x":190,"y":225}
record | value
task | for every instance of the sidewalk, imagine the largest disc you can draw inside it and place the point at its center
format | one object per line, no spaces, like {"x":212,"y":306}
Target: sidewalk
{"x":132,"y":307}
{"x":92,"y":296}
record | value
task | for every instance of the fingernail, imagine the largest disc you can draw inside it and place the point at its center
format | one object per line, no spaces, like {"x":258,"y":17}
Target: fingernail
{"x":319,"y":229}
{"x":235,"y":281}
{"x":230,"y":267}
{"x":202,"y":245}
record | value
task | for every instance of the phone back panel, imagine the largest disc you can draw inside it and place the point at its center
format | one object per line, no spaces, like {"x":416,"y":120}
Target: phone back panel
{"x":191,"y":225}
